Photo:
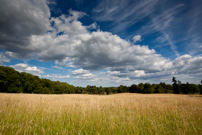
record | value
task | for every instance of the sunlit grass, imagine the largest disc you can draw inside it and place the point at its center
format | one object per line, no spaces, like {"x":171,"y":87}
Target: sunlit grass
{"x":94,"y":114}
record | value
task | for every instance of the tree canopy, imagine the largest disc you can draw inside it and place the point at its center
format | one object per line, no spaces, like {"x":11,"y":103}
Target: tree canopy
{"x":12,"y":81}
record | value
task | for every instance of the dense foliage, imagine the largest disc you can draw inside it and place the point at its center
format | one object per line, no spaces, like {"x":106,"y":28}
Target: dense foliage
{"x":179,"y":88}
{"x":12,"y":81}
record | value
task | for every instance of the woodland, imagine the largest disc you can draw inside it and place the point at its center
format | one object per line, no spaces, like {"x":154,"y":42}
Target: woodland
{"x":12,"y":81}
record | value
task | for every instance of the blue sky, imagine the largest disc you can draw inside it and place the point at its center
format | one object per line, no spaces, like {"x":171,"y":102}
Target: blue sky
{"x":102,"y":42}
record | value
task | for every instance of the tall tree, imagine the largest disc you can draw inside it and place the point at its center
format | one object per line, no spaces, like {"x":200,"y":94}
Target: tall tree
{"x":175,"y":86}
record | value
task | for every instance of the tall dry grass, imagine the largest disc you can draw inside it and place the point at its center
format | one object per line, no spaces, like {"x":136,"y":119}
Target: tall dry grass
{"x":94,"y":114}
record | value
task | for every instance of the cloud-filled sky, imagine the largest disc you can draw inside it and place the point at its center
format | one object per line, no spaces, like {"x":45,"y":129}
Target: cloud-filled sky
{"x":103,"y":42}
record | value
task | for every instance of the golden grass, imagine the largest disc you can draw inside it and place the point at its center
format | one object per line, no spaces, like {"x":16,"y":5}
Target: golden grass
{"x":99,"y":114}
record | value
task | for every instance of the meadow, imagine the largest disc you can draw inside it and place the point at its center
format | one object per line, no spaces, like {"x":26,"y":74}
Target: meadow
{"x":121,"y":114}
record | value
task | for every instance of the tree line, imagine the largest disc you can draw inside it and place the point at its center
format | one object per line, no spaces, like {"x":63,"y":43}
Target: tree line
{"x":12,"y":81}
{"x":179,"y":88}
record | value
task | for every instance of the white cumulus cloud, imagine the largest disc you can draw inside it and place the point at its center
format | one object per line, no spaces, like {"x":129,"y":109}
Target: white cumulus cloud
{"x":136,"y":38}
{"x":21,"y":67}
{"x":80,"y":71}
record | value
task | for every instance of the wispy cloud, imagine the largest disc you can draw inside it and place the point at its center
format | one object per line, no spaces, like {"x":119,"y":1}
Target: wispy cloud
{"x":3,"y":59}
{"x":172,"y":45}
{"x":195,"y":28}
{"x":172,"y":22}
{"x":56,"y":76}
{"x":123,"y":14}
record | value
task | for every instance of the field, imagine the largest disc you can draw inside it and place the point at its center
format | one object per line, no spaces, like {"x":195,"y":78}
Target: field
{"x":100,"y":114}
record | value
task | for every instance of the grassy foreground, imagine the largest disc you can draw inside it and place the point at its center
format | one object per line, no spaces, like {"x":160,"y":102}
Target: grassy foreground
{"x":95,"y":114}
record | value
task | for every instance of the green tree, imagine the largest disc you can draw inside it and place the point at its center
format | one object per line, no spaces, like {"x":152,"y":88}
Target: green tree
{"x":175,"y":86}
{"x":88,"y":88}
{"x":140,"y":87}
{"x":147,"y":88}
{"x":133,"y":88}
{"x":169,"y":88}
{"x":185,"y":88}
{"x":46,"y":90}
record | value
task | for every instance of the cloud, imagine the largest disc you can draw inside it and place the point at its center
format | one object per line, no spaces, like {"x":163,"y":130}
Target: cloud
{"x":175,"y":24}
{"x":187,"y":64}
{"x":138,"y":73}
{"x":19,"y":20}
{"x":123,"y":14}
{"x":113,"y":72}
{"x":183,"y":65}
{"x":172,"y":45}
{"x":92,"y":26}
{"x":3,"y":58}
{"x":136,"y":38}
{"x":58,"y":76}
{"x":79,"y":72}
{"x":193,"y":31}
{"x":21,"y":67}
{"x":162,"y":23}
{"x":51,"y":2}
{"x":97,"y":50}
{"x":87,"y":76}
{"x":77,"y":47}
{"x":71,"y":44}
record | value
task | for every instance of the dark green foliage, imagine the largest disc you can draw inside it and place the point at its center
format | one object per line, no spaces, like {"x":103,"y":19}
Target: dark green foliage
{"x":194,"y":89}
{"x":46,"y":90}
{"x":11,"y":81}
{"x":169,"y":88}
{"x":162,"y":88}
{"x":176,"y":89}
{"x":98,"y":90}
{"x":133,"y":88}
{"x":140,"y":87}
{"x":107,"y":91}
{"x":200,"y":87}
{"x":147,"y":88}
{"x":158,"y":89}
{"x":185,"y":88}
{"x":189,"y":88}
{"x":122,"y":89}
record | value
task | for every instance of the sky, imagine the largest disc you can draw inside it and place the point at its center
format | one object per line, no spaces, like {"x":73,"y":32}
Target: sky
{"x":103,"y":42}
